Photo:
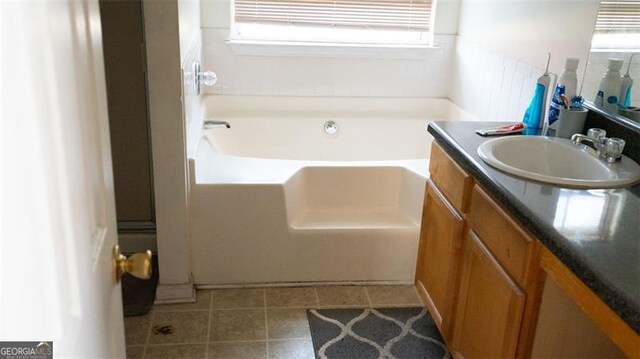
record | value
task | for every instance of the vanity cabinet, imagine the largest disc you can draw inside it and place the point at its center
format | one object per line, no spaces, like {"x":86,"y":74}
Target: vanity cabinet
{"x":494,"y":290}
{"x":495,"y":282}
{"x":437,"y":270}
{"x":490,"y":306}
{"x":436,"y":273}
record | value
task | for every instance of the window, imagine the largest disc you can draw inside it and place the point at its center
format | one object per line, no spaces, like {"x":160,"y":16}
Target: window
{"x":385,"y":22}
{"x":617,"y":26}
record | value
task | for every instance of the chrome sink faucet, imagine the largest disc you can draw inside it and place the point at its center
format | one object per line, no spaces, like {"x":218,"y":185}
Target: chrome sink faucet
{"x":212,"y":124}
{"x":609,"y":149}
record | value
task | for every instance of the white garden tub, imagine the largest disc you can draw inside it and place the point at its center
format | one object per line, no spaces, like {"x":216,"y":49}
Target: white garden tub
{"x":275,"y":199}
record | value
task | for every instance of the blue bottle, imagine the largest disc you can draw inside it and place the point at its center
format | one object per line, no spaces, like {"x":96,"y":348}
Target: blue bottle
{"x":534,"y":116}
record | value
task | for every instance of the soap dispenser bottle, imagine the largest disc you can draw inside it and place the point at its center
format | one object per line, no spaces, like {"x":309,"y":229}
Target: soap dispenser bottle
{"x":609,"y":90}
{"x":567,"y":84}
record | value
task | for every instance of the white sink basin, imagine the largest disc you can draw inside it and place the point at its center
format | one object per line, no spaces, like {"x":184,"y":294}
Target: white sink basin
{"x":556,"y":160}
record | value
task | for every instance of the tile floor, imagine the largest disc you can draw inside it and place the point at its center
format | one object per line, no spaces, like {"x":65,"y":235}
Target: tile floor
{"x":248,"y":323}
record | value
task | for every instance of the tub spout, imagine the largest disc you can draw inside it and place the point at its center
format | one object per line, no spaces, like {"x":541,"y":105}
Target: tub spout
{"x":211,"y":124}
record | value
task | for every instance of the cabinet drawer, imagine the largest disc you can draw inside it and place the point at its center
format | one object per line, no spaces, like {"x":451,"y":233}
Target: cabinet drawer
{"x":452,"y":180}
{"x":506,"y":240}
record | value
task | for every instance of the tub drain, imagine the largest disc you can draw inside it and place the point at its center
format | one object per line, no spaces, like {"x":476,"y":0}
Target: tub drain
{"x":331,"y":128}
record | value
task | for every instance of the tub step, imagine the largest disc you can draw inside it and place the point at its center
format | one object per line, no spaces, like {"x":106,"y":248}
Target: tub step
{"x":354,"y":219}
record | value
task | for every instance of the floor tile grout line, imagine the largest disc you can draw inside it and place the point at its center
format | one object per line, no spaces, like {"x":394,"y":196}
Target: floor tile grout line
{"x":236,"y":341}
{"x":146,"y":342}
{"x":239,"y":308}
{"x":177,"y":344}
{"x":206,"y":350}
{"x":288,"y":339}
{"x":182,"y":310}
{"x":268,"y":307}
{"x":266,"y":322}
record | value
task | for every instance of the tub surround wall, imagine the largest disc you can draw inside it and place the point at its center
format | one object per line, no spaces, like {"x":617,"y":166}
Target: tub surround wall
{"x":502,"y":46}
{"x":492,"y":85}
{"x":190,"y":51}
{"x":347,"y":73}
{"x":193,"y":104}
{"x":189,"y":25}
{"x":223,"y":107}
{"x":327,"y":76}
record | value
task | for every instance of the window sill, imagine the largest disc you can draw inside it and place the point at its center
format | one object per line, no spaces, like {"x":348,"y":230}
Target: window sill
{"x":336,"y":50}
{"x":614,"y":50}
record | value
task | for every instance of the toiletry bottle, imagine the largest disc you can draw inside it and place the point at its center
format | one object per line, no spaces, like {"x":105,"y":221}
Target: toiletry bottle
{"x":534,"y":116}
{"x":567,"y":84}
{"x":625,"y":87}
{"x":609,"y":90}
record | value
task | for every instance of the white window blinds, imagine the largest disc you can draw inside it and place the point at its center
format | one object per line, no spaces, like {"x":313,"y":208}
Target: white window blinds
{"x":350,"y":15}
{"x":407,"y":15}
{"x":618,"y":25}
{"x":620,"y":16}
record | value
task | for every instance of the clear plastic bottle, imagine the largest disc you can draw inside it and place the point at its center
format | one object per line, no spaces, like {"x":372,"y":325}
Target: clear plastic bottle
{"x":607,"y":97}
{"x":567,"y":84}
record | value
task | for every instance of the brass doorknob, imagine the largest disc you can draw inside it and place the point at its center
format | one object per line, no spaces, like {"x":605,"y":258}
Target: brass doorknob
{"x":138,"y":265}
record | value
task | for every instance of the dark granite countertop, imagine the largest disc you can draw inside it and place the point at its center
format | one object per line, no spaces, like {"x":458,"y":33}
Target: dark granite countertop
{"x":595,"y":233}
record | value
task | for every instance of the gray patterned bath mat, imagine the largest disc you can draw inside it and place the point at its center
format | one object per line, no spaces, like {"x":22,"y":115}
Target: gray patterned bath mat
{"x":394,"y":333}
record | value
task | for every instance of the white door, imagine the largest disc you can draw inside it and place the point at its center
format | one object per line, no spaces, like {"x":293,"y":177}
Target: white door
{"x":58,"y":224}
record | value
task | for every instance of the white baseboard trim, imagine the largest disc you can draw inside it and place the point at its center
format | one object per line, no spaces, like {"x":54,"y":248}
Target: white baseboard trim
{"x":175,"y":293}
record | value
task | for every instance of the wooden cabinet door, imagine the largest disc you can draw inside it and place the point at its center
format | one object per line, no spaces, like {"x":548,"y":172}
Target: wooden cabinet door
{"x":438,"y":261}
{"x":490,"y":306}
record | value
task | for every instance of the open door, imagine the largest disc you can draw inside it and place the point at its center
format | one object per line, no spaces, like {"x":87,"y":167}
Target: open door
{"x":58,"y":224}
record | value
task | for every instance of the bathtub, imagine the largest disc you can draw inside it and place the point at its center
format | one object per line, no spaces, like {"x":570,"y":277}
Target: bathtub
{"x":276,"y":199}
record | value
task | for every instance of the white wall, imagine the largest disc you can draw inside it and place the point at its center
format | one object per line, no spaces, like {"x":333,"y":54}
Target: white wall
{"x":171,"y":29}
{"x":502,"y":48}
{"x":190,"y":51}
{"x":189,"y":25}
{"x":350,"y":73}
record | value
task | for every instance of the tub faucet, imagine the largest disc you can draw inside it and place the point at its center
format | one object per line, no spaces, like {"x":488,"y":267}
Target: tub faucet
{"x":211,"y":124}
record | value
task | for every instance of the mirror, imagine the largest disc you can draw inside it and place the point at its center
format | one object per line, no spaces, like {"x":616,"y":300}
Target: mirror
{"x":616,"y":36}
